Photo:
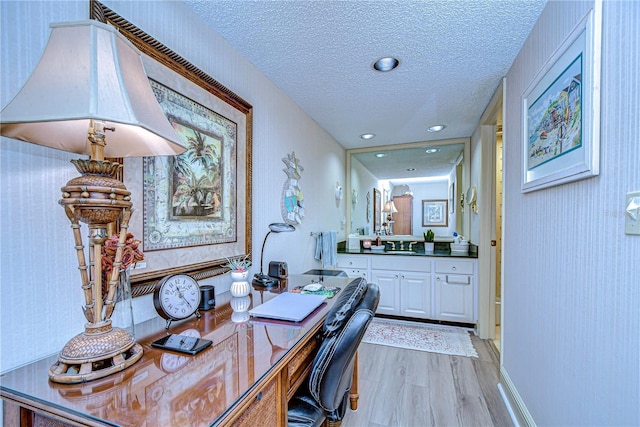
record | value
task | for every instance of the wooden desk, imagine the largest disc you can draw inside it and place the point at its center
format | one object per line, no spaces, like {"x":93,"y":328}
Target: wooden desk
{"x":245,"y":378}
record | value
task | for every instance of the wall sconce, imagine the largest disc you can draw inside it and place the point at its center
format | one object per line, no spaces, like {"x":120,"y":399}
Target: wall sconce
{"x":472,"y":199}
{"x":261,"y":279}
{"x":90,"y":80}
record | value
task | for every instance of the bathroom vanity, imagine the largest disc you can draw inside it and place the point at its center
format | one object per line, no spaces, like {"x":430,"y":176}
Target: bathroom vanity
{"x":415,"y":284}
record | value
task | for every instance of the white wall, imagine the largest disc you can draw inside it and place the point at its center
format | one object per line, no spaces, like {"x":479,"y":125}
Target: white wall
{"x":40,"y":295}
{"x":571,"y":294}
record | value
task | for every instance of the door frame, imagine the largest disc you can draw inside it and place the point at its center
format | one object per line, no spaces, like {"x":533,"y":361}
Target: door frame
{"x":487,"y":214}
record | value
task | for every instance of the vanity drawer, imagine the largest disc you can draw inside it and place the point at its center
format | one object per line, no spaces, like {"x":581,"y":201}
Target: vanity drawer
{"x":351,"y":262}
{"x":454,"y":267}
{"x":401,"y":263}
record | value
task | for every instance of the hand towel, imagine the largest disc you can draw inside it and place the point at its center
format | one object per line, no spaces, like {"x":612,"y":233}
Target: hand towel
{"x":329,"y":248}
{"x":318,"y":254}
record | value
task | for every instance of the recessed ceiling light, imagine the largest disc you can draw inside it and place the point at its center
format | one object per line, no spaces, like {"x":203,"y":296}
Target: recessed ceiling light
{"x":381,"y":155}
{"x":411,"y":169}
{"x":432,"y":150}
{"x":368,"y":135}
{"x":436,"y":128}
{"x":385,"y":64}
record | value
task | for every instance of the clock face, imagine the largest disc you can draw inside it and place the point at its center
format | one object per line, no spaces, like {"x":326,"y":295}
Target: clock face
{"x":177,"y":297}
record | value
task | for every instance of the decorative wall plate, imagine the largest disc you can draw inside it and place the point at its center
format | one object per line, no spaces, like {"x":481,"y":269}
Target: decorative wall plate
{"x":292,"y":201}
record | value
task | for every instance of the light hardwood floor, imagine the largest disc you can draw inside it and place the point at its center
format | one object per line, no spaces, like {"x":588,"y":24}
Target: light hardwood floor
{"x":403,"y":388}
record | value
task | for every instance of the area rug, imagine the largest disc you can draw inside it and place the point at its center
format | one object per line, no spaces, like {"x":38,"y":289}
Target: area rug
{"x":418,"y":336}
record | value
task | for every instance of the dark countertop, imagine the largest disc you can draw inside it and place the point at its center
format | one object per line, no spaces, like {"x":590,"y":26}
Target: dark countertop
{"x":419,"y":252}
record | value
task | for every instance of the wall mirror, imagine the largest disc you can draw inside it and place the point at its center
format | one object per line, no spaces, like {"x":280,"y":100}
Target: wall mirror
{"x":418,"y":171}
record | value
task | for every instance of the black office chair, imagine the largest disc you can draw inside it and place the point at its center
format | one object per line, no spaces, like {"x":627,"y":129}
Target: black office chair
{"x":325,"y":395}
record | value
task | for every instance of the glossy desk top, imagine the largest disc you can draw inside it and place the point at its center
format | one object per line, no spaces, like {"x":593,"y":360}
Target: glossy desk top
{"x":167,"y":388}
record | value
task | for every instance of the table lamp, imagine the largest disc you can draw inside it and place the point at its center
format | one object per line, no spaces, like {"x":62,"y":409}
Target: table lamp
{"x":91,"y":80}
{"x":261,"y":279}
{"x":390,"y":209}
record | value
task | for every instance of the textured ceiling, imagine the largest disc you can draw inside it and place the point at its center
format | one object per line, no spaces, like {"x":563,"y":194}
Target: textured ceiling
{"x":452,"y":56}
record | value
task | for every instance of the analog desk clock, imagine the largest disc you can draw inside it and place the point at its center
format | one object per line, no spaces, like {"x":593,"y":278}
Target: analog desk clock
{"x":176,"y":297}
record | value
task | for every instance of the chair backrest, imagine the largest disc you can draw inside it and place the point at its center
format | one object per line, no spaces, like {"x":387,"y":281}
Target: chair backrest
{"x":343,"y":308}
{"x":332,"y":368}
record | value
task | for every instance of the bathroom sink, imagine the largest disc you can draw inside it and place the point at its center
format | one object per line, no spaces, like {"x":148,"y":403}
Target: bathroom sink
{"x":401,"y":252}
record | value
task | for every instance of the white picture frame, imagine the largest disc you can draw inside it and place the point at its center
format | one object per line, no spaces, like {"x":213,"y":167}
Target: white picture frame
{"x":561,"y":111}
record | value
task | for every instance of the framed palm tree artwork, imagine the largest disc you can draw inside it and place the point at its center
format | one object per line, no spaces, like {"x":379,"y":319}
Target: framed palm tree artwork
{"x":192,"y":198}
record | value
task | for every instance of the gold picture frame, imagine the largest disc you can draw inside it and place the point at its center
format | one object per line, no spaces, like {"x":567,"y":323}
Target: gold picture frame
{"x":167,"y":68}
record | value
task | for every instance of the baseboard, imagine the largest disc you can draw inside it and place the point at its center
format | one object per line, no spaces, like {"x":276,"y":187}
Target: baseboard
{"x":516,"y":407}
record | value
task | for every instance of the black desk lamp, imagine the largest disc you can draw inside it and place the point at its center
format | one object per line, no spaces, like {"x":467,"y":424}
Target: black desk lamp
{"x":262,"y":279}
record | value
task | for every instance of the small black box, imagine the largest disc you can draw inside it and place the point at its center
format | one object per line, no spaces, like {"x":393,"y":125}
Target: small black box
{"x":278,"y":269}
{"x":207,"y":297}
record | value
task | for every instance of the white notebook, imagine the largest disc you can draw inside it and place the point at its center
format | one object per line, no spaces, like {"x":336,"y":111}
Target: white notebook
{"x":288,"y":306}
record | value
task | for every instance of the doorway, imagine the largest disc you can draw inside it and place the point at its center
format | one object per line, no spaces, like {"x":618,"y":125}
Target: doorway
{"x":498,"y":235}
{"x":490,"y":221}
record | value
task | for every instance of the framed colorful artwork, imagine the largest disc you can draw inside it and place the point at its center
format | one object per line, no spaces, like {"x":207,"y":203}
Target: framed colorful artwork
{"x":561,"y":111}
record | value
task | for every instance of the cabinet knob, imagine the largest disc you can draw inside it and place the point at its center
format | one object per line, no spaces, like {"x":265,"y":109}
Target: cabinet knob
{"x":453,"y":268}
{"x":350,"y":262}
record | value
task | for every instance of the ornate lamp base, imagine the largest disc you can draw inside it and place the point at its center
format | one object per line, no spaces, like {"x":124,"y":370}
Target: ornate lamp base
{"x":99,"y":351}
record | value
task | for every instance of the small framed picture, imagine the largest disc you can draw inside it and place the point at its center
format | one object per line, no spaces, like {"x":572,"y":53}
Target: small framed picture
{"x":435,"y":213}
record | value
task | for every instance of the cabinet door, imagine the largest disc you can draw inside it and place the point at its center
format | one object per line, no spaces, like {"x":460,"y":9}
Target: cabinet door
{"x":402,"y":219}
{"x":454,"y":298}
{"x":388,"y":282}
{"x":415,"y":295}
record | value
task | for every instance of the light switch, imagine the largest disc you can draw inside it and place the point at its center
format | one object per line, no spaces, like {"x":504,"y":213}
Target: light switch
{"x":632,"y":213}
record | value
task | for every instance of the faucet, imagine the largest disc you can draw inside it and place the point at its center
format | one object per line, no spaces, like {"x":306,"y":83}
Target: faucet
{"x":401,"y":245}
{"x":393,"y":246}
{"x":411,"y":244}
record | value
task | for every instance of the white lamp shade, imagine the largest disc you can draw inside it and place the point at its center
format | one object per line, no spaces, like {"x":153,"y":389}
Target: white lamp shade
{"x":90,"y":71}
{"x":390,"y":207}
